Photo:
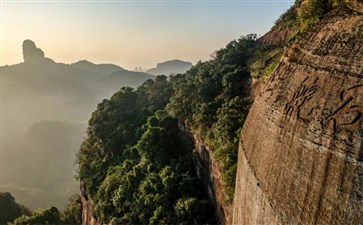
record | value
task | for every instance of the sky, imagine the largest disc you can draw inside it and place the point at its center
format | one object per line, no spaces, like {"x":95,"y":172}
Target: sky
{"x":131,"y":33}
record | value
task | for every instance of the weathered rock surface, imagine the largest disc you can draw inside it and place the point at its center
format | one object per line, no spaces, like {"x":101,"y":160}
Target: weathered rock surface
{"x":87,"y":211}
{"x":301,"y":151}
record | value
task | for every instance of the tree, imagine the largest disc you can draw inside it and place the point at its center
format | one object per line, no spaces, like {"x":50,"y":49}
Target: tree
{"x":40,"y":216}
{"x":9,"y":209}
{"x":72,"y":214}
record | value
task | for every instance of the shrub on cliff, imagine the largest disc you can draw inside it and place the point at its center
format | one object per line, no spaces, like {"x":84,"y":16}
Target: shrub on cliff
{"x":311,"y":11}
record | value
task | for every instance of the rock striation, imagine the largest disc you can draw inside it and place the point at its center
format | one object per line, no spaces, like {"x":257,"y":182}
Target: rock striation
{"x":31,"y":53}
{"x":301,"y":150}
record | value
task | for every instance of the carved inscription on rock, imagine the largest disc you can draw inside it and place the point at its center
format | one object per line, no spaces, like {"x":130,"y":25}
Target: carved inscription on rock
{"x":345,"y":108}
{"x":304,"y":93}
{"x":350,"y":109}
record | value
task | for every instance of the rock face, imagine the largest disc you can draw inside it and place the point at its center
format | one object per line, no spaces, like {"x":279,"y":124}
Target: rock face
{"x":301,"y":152}
{"x":87,"y":211}
{"x":209,"y":172}
{"x":31,"y":53}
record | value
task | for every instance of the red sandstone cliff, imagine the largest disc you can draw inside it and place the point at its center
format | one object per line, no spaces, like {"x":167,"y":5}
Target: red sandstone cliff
{"x":301,"y":151}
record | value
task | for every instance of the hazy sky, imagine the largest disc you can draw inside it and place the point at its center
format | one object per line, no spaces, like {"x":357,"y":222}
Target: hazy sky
{"x":131,"y":33}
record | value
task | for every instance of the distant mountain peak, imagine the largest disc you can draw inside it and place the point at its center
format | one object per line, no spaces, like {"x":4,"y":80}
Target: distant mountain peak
{"x":84,"y":61}
{"x":174,"y":66}
{"x":103,"y":68}
{"x":31,"y":53}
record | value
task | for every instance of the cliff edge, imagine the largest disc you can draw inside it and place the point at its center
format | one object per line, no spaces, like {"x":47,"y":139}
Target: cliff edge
{"x":301,"y":151}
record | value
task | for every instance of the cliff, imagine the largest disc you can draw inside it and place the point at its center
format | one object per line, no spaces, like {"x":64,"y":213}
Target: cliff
{"x":209,"y":172}
{"x":88,"y":217}
{"x":301,"y":148}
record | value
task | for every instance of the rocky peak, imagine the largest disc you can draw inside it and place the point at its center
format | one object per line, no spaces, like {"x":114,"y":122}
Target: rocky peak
{"x":31,"y":53}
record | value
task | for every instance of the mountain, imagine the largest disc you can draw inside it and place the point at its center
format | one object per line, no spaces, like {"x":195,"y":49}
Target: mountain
{"x":40,"y":94}
{"x":133,"y":79}
{"x":103,"y":69}
{"x":40,"y":88}
{"x":170,"y":67}
{"x":43,"y":89}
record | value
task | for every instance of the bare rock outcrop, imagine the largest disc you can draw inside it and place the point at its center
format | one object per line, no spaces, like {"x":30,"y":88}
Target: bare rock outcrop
{"x":88,"y":217}
{"x":31,"y":53}
{"x":301,"y":152}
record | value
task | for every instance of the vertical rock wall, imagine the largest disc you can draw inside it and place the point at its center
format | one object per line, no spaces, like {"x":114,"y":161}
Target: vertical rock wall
{"x":301,"y":151}
{"x":208,"y":171}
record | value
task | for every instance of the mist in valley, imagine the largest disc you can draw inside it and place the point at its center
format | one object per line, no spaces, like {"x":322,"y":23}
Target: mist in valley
{"x":45,"y":109}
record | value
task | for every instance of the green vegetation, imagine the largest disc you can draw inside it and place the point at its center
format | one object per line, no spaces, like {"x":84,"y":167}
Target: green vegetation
{"x":9,"y":209}
{"x":211,"y":99}
{"x":288,"y":19}
{"x":40,"y":216}
{"x":287,"y":30}
{"x":116,"y":125}
{"x":312,"y":10}
{"x":72,"y":214}
{"x":137,"y":166}
{"x":135,"y":163}
{"x":264,"y":60}
{"x":304,"y":13}
{"x":157,"y":185}
{"x":12,"y":213}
